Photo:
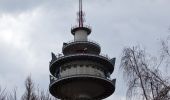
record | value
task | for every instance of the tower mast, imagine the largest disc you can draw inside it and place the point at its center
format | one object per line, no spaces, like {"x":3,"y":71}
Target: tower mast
{"x":80,"y":14}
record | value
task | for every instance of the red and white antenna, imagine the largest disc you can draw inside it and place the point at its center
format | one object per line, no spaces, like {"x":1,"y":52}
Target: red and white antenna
{"x":80,"y":14}
{"x":80,"y":21}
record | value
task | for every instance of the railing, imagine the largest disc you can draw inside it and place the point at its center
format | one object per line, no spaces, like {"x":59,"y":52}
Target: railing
{"x":105,"y":56}
{"x":73,"y":41}
{"x":86,"y":26}
{"x":53,"y":78}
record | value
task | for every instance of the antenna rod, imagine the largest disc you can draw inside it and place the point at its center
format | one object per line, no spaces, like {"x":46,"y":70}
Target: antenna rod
{"x":80,"y":14}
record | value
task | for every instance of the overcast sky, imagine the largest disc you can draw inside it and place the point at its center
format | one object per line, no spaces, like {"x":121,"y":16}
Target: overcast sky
{"x":31,"y":29}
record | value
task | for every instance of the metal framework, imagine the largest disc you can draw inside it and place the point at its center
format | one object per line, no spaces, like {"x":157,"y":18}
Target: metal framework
{"x":81,"y":21}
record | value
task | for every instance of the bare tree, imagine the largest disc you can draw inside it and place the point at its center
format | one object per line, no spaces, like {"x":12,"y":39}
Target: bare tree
{"x":44,"y":95}
{"x":3,"y":94}
{"x":144,"y":78}
{"x":35,"y":94}
{"x":13,"y":95}
{"x":29,"y":90}
{"x":165,"y":51}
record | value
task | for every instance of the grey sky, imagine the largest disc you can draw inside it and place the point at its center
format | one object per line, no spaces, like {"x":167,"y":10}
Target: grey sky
{"x":31,"y":29}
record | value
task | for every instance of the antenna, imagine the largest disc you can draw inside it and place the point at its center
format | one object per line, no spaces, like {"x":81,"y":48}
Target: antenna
{"x":80,"y":16}
{"x":80,"y":21}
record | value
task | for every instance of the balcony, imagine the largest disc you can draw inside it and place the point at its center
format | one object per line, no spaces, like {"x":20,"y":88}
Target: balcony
{"x":94,"y":86}
{"x":85,"y":27}
{"x":65,"y":45}
{"x":54,"y":78}
{"x":102,"y":59}
{"x":104,"y":56}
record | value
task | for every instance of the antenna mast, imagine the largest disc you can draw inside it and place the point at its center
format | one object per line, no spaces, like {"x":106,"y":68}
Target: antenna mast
{"x":80,"y":14}
{"x":80,"y":21}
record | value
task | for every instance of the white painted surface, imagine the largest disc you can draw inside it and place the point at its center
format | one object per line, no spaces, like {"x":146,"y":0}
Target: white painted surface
{"x":82,"y":70}
{"x":80,"y":35}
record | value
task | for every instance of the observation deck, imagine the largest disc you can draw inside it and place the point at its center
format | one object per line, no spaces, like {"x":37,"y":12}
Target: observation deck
{"x":88,"y":86}
{"x":104,"y":60}
{"x":88,"y":46}
{"x":75,"y":28}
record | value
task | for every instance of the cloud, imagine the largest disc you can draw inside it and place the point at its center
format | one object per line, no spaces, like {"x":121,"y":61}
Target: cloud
{"x":18,"y":6}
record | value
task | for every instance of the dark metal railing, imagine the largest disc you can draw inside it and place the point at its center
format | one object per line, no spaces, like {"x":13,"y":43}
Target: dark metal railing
{"x":86,"y":26}
{"x":53,"y":78}
{"x":105,"y":56}
{"x":73,"y":41}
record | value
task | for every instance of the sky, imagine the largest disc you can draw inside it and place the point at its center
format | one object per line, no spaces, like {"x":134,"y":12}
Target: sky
{"x":31,"y":29}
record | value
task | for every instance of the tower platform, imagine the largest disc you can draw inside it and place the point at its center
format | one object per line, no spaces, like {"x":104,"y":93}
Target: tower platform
{"x":82,"y":86}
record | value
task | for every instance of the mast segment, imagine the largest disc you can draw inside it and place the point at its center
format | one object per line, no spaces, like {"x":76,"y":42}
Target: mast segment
{"x":80,"y":14}
{"x":81,"y":27}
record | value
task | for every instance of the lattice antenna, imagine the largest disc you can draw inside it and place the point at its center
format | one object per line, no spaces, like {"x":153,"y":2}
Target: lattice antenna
{"x":80,"y":14}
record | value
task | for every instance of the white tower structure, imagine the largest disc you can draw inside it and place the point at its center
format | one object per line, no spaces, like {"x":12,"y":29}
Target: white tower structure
{"x":81,"y":73}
